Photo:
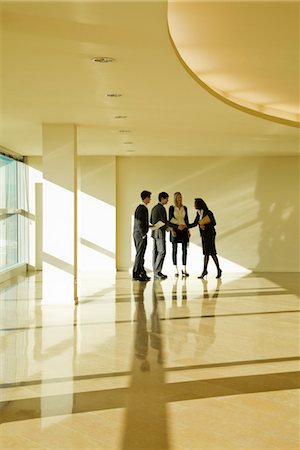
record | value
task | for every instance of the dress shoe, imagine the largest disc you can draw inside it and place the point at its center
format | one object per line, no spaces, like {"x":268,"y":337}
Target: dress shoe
{"x":203,"y":274}
{"x":142,"y":278}
{"x":144,"y":275}
{"x":219,"y":273}
{"x":158,"y":276}
{"x":162,"y":275}
{"x":185,"y":274}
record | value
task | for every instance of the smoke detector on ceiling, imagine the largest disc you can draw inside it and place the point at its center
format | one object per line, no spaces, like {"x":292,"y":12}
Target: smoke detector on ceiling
{"x":103,"y":59}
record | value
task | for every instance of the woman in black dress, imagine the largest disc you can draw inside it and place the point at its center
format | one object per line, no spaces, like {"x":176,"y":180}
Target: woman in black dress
{"x":206,"y":222}
{"x":178,"y":214}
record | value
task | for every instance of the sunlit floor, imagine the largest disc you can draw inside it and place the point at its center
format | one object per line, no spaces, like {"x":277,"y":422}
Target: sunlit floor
{"x":178,"y":364}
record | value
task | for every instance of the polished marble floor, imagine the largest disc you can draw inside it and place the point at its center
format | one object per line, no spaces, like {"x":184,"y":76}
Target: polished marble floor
{"x":180,"y":364}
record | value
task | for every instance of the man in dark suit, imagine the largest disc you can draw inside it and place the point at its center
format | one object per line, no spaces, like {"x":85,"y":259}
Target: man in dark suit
{"x":140,"y":230}
{"x":159,"y":213}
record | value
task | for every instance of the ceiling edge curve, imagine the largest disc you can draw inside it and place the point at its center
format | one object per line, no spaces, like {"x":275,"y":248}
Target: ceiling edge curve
{"x":253,"y":112}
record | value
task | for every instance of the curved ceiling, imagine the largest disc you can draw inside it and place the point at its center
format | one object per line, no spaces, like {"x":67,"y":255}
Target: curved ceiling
{"x":250,"y":56}
{"x":48,"y":76}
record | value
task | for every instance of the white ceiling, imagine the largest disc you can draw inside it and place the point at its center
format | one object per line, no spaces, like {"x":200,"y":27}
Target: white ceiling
{"x":48,"y":76}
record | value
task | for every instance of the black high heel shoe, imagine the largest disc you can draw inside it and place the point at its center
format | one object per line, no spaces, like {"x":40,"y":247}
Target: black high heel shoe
{"x":203,"y":274}
{"x":219,"y":273}
{"x":185,"y":274}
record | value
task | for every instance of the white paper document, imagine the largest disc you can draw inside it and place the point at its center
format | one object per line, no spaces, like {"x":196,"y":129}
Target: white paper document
{"x":157,"y":225}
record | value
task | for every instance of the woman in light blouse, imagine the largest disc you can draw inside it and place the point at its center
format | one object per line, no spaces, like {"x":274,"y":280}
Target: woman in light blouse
{"x":178,"y":214}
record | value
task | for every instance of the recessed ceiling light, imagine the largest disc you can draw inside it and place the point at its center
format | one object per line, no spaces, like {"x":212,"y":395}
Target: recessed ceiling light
{"x":129,"y":151}
{"x":103,"y":59}
{"x":128,"y":142}
{"x":124,"y":131}
{"x":113,"y":94}
{"x":120,"y":117}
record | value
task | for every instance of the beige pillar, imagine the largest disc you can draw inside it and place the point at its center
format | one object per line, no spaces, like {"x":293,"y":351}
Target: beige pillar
{"x":59,"y":214}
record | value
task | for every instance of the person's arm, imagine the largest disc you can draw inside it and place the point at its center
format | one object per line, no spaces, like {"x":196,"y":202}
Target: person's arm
{"x":142,"y":217}
{"x":205,"y":220}
{"x":171,"y":216}
{"x":163,"y":217}
{"x":186,"y":218}
{"x":154,"y":216}
{"x":145,"y":221}
{"x":195,"y":223}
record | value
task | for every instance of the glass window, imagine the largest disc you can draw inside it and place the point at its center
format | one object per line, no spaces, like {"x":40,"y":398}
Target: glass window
{"x":13,"y":222}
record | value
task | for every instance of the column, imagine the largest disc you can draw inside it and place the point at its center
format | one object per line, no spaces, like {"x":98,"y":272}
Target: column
{"x":59,"y":214}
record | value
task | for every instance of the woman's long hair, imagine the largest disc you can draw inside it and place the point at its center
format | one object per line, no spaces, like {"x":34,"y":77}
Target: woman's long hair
{"x":200,"y":204}
{"x":176,"y":198}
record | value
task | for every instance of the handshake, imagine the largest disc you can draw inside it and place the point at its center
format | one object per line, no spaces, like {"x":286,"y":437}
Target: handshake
{"x":180,"y":227}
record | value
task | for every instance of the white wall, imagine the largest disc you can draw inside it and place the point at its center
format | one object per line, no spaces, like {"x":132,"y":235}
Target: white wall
{"x":97,"y":214}
{"x":255,"y":201}
{"x":96,"y":211}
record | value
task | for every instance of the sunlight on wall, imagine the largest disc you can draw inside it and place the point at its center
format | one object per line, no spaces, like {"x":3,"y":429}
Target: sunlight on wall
{"x":97,"y":246}
{"x":58,"y":244}
{"x":60,"y":222}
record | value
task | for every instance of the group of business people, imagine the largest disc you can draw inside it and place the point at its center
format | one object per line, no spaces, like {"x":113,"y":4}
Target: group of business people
{"x":178,"y":225}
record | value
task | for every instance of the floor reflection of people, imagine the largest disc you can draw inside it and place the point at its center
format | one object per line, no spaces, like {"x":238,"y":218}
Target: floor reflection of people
{"x":207,"y":334}
{"x":155,"y":335}
{"x":143,"y":336}
{"x":178,"y":335}
{"x":146,"y":418}
{"x":179,"y":299}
